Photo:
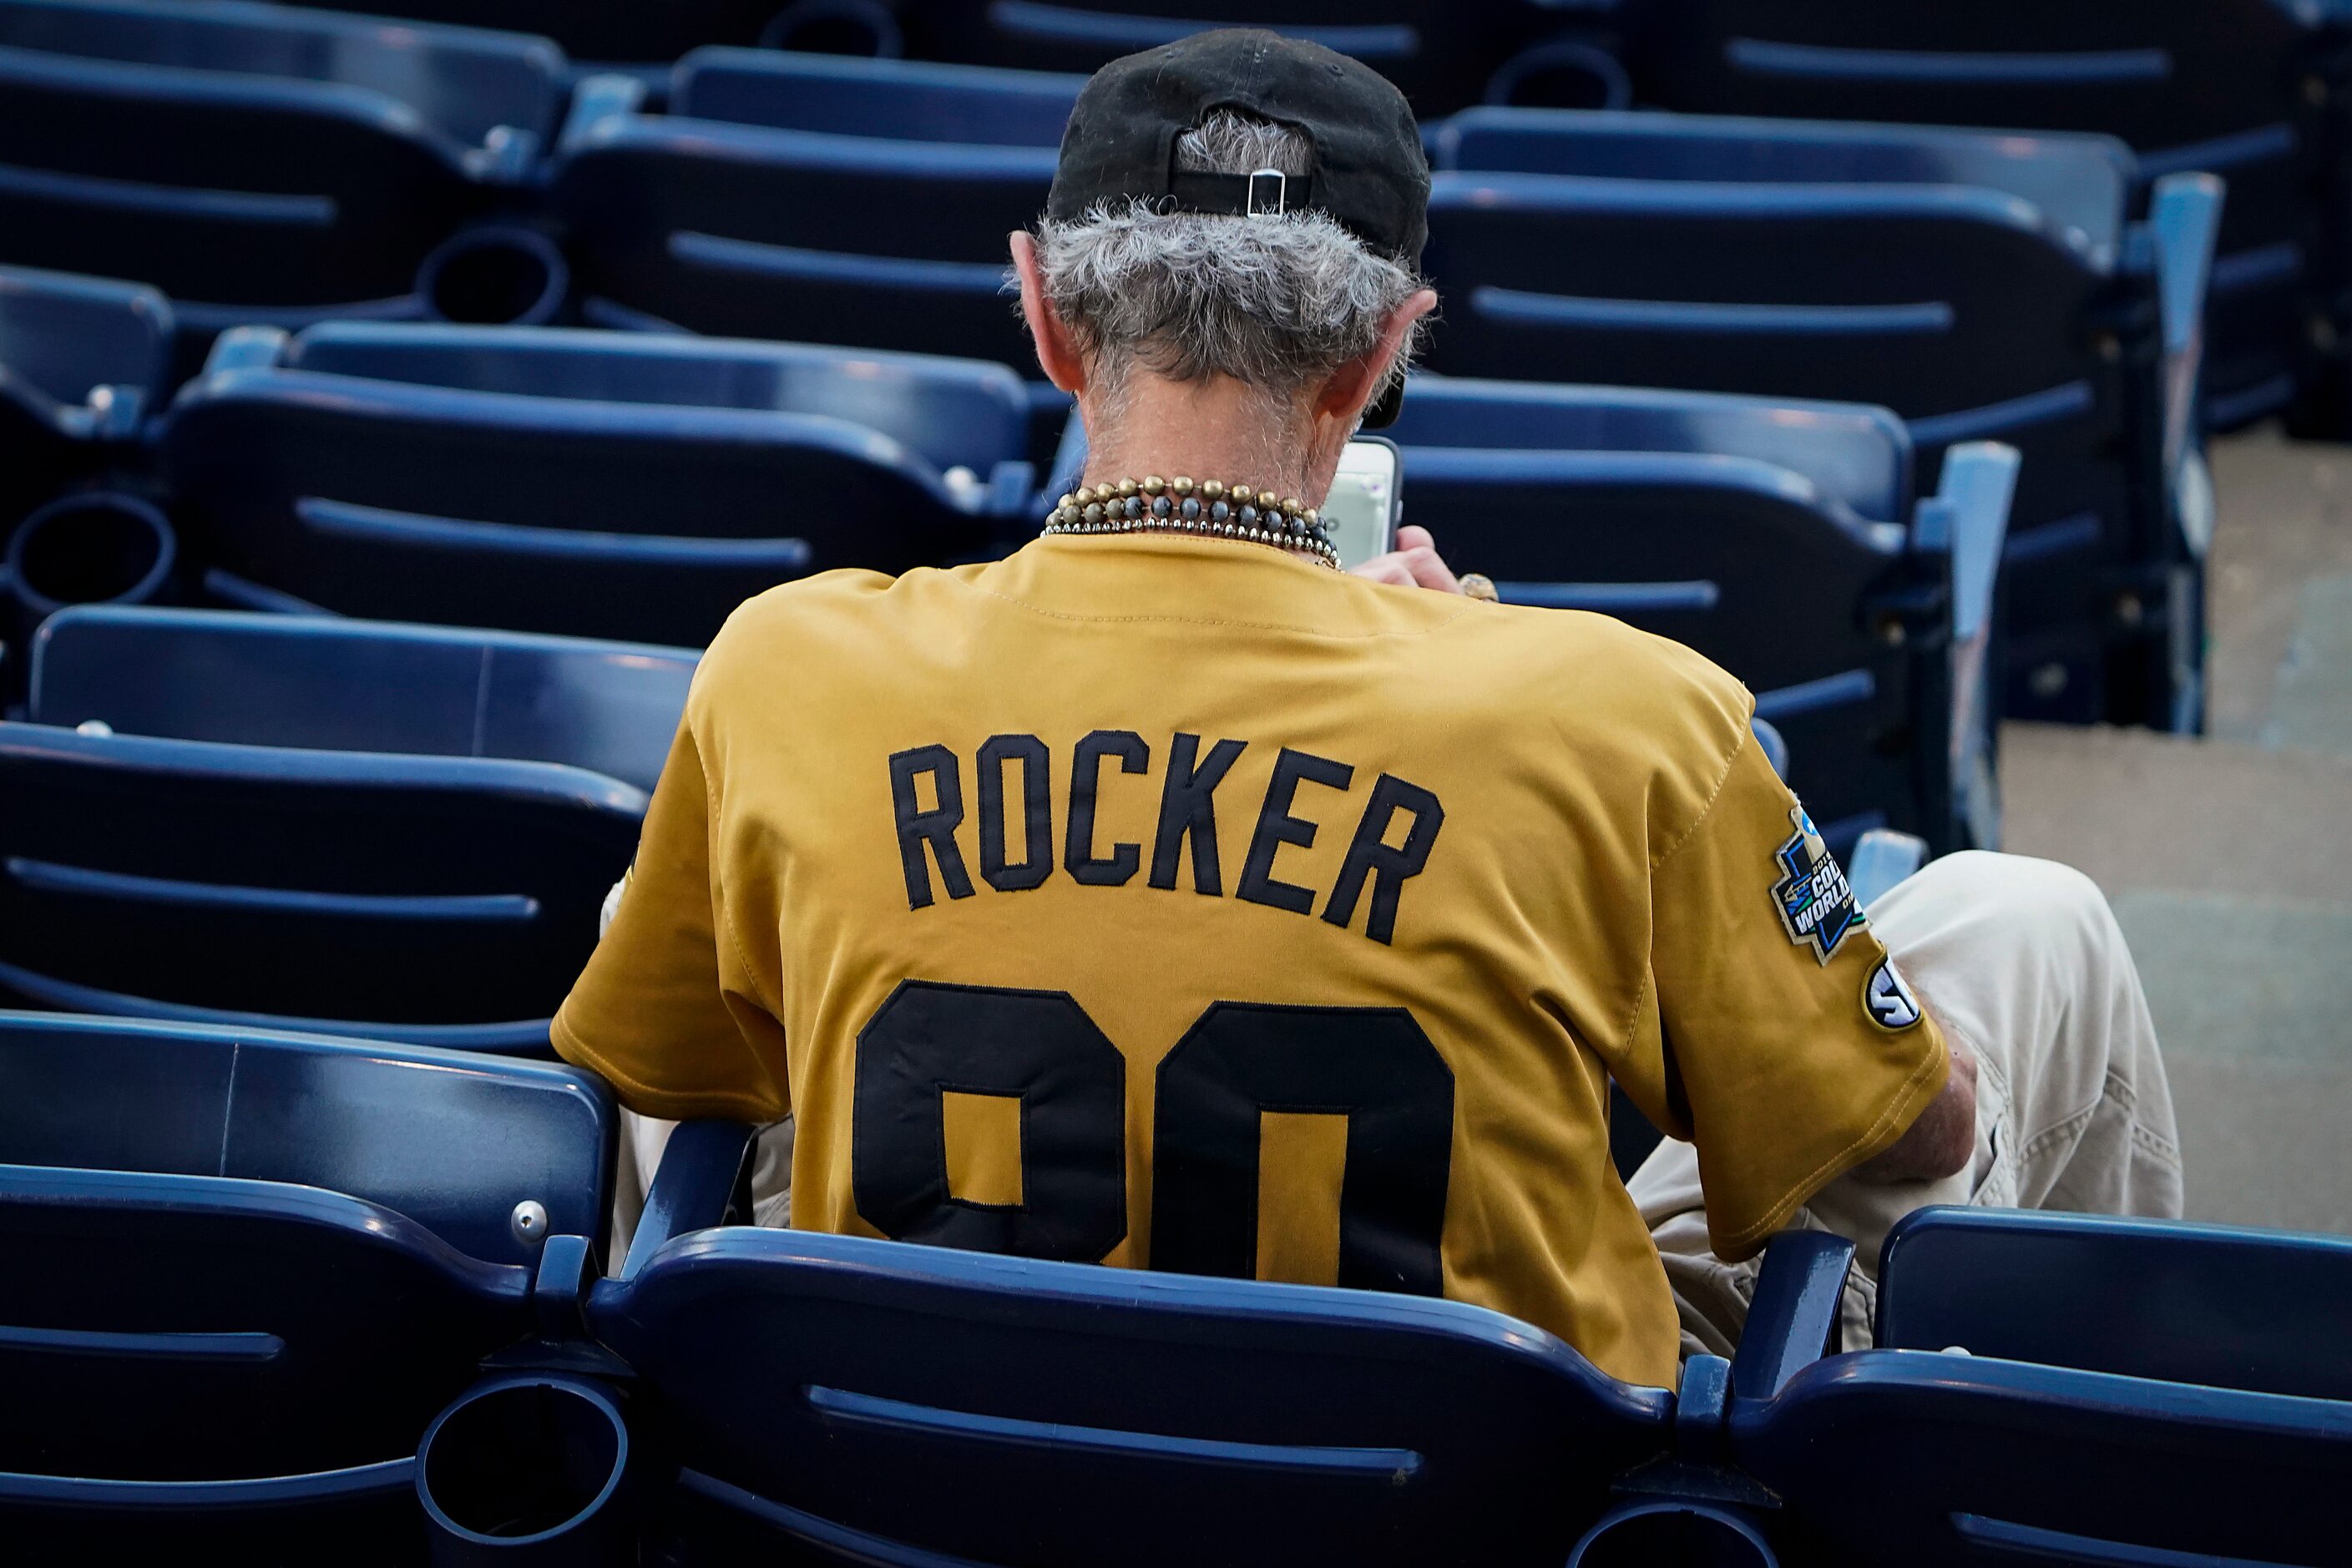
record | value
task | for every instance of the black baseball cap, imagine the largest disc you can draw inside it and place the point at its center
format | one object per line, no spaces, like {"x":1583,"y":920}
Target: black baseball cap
{"x":1370,"y":175}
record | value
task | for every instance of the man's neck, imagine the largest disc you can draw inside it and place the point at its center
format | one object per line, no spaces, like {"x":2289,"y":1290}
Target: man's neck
{"x":1215,"y":429}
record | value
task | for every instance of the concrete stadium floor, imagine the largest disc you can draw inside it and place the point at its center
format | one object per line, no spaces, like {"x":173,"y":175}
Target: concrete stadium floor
{"x":2229,"y":860}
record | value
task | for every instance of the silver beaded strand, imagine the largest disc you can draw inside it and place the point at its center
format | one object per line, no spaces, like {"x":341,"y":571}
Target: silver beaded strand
{"x":1211,"y":510}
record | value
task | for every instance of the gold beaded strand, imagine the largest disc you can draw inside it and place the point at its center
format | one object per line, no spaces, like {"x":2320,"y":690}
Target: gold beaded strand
{"x":1209,"y":509}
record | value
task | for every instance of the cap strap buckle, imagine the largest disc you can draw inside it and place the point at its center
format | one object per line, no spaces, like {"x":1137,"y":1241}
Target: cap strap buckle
{"x":1270,"y":193}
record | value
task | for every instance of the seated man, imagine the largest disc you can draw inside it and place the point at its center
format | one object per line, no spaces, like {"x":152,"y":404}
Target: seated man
{"x":1162,"y":896}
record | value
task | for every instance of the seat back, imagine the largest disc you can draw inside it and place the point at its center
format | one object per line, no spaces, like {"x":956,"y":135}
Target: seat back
{"x":604,"y":31}
{"x":463,"y":83}
{"x":1440,"y":55}
{"x":952,"y":412}
{"x":2243,"y":89}
{"x":1701,"y":519}
{"x":445,"y":901}
{"x":1051,"y":1414}
{"x":400,"y":500}
{"x":2227,"y":1307}
{"x":329,"y":684}
{"x":903,"y":101}
{"x":2081,"y":183}
{"x":1971,"y":311}
{"x":1966,"y":1460}
{"x":1850,"y":454}
{"x":179,"y":1328}
{"x":81,"y":360}
{"x":135,"y":149}
{"x":1932,"y":299}
{"x":397,"y":1126}
{"x":65,"y":337}
{"x":750,"y":231}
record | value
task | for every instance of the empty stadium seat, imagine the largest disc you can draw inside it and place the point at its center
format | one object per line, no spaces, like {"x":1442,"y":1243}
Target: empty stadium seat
{"x":1057,"y":1413}
{"x":622,"y":31}
{"x":897,"y":100}
{"x":1439,"y":53}
{"x":1784,"y":541}
{"x":246,"y":1268}
{"x":579,"y":482}
{"x":1980,"y":286}
{"x":262,"y":162}
{"x":79,"y":360}
{"x":2107,"y":1391}
{"x":329,"y":684}
{"x":437,"y":900}
{"x":722,"y":216}
{"x":2249,"y":89}
{"x":81,"y":356}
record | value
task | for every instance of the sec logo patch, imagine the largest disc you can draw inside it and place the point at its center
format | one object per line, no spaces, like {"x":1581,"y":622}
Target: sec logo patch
{"x":1888,"y":1000}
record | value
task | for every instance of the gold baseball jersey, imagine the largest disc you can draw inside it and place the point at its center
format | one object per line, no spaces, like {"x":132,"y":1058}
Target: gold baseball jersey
{"x":1178,"y":903}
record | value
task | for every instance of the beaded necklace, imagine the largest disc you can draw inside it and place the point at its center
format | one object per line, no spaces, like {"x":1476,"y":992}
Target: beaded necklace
{"x":1212,"y":509}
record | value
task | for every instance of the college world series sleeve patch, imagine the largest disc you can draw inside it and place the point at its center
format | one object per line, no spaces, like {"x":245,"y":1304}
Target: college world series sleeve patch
{"x":1815,"y":901}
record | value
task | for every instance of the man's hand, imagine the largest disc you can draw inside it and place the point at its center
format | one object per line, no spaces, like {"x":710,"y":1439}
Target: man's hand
{"x":1414,"y":563}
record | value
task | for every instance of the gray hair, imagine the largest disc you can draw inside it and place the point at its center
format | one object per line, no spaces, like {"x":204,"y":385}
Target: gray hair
{"x":1277,"y":303}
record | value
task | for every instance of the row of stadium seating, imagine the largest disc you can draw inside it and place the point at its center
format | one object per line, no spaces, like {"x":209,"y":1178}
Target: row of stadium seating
{"x":263,"y":164}
{"x":244,"y":788}
{"x":249,"y":1268}
{"x":2252,"y":90}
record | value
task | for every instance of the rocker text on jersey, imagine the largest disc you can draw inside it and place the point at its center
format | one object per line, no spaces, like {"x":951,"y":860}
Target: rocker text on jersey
{"x":1188,"y":818}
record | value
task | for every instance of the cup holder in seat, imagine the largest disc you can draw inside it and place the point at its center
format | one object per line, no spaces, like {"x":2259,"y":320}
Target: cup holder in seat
{"x":495,"y":277}
{"x":527,"y":1469}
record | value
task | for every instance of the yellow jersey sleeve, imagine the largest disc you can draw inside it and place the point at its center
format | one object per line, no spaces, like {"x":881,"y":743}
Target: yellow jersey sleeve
{"x":1780,"y":1041}
{"x":666,"y":1010}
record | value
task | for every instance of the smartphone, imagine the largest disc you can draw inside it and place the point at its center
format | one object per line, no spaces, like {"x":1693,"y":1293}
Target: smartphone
{"x":1366,"y":500}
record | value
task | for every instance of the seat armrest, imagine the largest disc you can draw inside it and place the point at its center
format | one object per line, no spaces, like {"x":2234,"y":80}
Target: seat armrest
{"x":1794,"y":1320}
{"x":1969,"y":511}
{"x":1012,"y":489}
{"x":2184,"y":220}
{"x":1770,"y":741}
{"x":1979,"y":479}
{"x":599,"y":99}
{"x":247,"y":348}
{"x":692,"y":1187}
{"x":1881,"y":857}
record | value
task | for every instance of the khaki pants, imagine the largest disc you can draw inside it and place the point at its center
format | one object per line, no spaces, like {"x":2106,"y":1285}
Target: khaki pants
{"x":2021,"y":963}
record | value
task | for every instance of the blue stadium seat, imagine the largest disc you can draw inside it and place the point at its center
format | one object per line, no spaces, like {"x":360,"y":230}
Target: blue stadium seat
{"x":81,"y":359}
{"x":2211,"y":1304}
{"x":257,"y":162}
{"x":2110,"y":1392}
{"x":2249,"y":90}
{"x":246,"y":1268}
{"x":1982,"y":288}
{"x":579,"y":482}
{"x":897,"y":100}
{"x":619,"y":32}
{"x":715,"y":219}
{"x":437,"y":900}
{"x":329,"y":684}
{"x":81,"y":356}
{"x":1784,"y":541}
{"x":1053,"y":1414}
{"x":1440,"y":52}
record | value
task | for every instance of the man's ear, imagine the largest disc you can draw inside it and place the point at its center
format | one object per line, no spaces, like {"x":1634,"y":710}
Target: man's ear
{"x":1353,"y":384}
{"x":1057,"y":356}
